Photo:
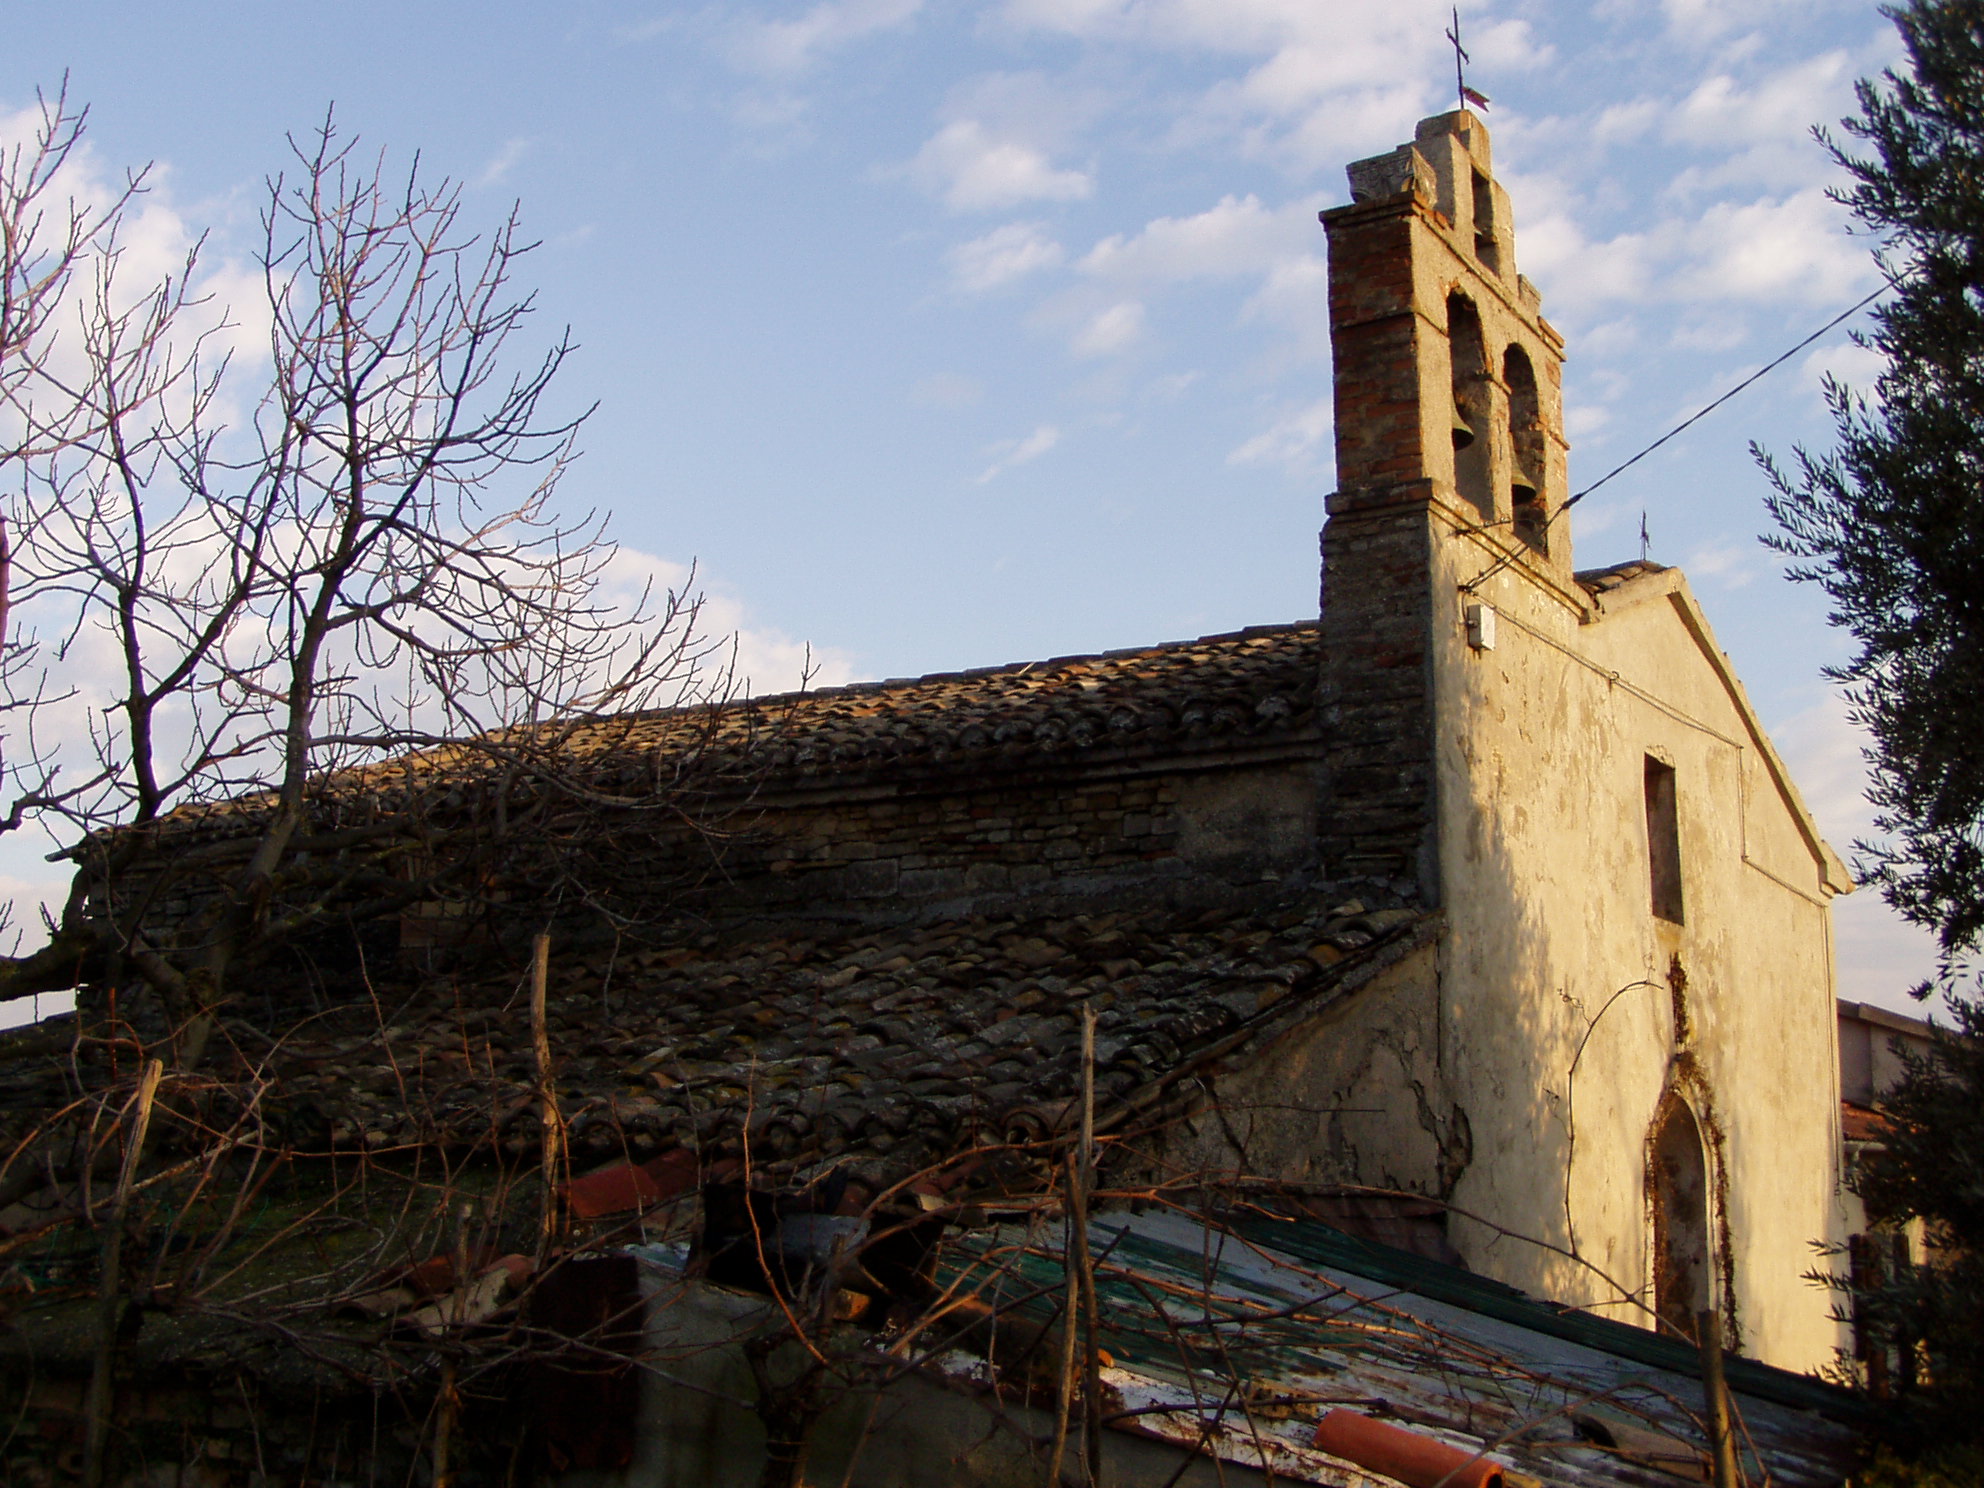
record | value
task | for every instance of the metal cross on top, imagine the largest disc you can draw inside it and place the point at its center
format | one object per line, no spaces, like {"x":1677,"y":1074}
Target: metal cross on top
{"x":1461,"y":59}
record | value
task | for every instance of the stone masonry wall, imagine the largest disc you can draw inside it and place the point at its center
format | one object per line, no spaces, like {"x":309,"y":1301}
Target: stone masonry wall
{"x":1137,"y":834}
{"x":1378,"y":803}
{"x":1378,"y":808}
{"x":1162,"y":831}
{"x":1376,"y":346}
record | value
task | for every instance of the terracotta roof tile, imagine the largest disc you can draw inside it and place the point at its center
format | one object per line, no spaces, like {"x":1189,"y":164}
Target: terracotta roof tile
{"x":1254,"y":685}
{"x":1260,"y":681}
{"x":1862,"y":1123}
{"x":1599,"y":581}
{"x":890,"y":1047}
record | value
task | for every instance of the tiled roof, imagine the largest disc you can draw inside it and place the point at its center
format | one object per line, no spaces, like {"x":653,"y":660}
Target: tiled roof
{"x":1246,"y":684}
{"x":1602,"y":581}
{"x":891,"y":1047}
{"x":1241,"y":688}
{"x":1862,"y":1123}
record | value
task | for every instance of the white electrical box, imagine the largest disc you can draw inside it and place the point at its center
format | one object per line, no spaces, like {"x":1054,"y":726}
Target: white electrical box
{"x":1480,"y":626}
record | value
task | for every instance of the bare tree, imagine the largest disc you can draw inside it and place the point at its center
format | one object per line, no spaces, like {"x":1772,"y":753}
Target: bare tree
{"x":41,"y":247}
{"x":364,"y":565}
{"x":45,"y":238}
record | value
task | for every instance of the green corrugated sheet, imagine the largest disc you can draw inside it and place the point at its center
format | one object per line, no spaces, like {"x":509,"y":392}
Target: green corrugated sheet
{"x":1313,"y":1241}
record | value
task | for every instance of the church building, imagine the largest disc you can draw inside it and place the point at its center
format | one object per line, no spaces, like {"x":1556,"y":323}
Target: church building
{"x":1620,"y":1042}
{"x":1477,"y":916}
{"x":1482,"y":905}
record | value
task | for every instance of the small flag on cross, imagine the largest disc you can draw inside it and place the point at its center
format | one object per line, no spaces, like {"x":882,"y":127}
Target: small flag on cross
{"x":1461,"y":58}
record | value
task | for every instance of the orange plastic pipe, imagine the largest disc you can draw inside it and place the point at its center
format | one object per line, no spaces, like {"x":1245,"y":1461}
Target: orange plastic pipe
{"x":1417,"y":1460}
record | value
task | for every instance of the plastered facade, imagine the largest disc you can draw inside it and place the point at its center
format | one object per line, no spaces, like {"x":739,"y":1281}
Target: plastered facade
{"x":1570,"y":1010}
{"x":1511,"y":777}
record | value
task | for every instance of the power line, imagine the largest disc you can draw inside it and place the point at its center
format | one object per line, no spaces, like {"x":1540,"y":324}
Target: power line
{"x":1703,"y":413}
{"x":1694,"y":418}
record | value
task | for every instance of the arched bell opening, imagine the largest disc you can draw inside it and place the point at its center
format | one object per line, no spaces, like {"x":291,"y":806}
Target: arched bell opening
{"x":1469,"y":358}
{"x":1527,"y":505}
{"x":1683,"y":1269}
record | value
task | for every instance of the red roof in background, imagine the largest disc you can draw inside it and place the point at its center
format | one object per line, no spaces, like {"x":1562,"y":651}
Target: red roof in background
{"x":1862,"y":1123}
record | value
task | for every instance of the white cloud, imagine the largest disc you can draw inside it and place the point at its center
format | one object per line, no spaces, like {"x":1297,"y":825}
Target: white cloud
{"x":1855,"y":365}
{"x":226,"y":311}
{"x":1824,"y":750}
{"x":1725,"y":563}
{"x":1585,"y":420}
{"x":1774,"y":113}
{"x":1879,"y":955}
{"x":1620,"y":123}
{"x":502,"y":162}
{"x":1012,"y":452}
{"x":1350,"y":43}
{"x":1708,"y":23}
{"x":973,"y":169}
{"x":1771,"y":249}
{"x":1782,"y":249}
{"x":1752,"y":127}
{"x":1291,"y":441}
{"x":1609,"y":338}
{"x":1002,"y":256}
{"x":638,"y":31}
{"x":1717,"y":330}
{"x":1295,"y":298}
{"x":767,"y":660}
{"x":1327,"y":82}
{"x":1110,"y":331}
{"x":1047,"y":110}
{"x":1238,"y":235}
{"x":1173,"y":385}
{"x":787,"y":47}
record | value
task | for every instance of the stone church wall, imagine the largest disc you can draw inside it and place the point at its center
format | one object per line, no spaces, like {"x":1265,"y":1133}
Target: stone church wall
{"x":1170,"y":829}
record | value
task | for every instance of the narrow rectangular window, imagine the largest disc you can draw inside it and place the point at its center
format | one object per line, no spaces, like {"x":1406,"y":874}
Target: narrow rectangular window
{"x":1485,"y":247}
{"x":1663,"y":841}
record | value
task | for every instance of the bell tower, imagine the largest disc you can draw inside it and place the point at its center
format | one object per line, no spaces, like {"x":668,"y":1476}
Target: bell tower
{"x":1449,"y":453}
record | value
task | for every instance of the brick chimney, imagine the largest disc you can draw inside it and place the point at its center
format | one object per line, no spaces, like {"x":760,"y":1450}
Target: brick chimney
{"x":1450,"y":457}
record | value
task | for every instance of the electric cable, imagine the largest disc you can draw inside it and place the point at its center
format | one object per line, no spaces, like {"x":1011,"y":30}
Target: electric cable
{"x":1703,"y":413}
{"x":1694,"y":418}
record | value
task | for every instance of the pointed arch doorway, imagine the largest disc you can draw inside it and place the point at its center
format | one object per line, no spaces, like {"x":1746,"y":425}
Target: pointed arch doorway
{"x":1683,"y":1273}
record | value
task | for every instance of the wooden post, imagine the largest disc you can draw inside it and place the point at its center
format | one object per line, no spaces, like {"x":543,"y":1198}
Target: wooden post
{"x":1091,"y":1353}
{"x":1064,"y":1394}
{"x":444,"y":1426}
{"x":1721,"y":1439}
{"x":447,"y":1404}
{"x":97,"y":1411}
{"x":547,"y":1090}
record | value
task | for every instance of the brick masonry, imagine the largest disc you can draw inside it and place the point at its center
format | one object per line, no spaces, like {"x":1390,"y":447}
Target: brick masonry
{"x":1377,"y":809}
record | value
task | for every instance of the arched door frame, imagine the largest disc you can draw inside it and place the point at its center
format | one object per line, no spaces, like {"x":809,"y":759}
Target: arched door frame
{"x":1707,"y":1251}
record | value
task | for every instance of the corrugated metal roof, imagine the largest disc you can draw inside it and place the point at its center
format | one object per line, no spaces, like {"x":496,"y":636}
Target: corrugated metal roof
{"x":1242,"y":1336}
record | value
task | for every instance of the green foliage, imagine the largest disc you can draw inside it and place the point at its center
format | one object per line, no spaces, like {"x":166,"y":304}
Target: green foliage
{"x":1891,"y":523}
{"x":1930,"y":1166}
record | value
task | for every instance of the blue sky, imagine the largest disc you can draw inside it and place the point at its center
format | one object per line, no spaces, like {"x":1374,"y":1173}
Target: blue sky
{"x":948,"y":334}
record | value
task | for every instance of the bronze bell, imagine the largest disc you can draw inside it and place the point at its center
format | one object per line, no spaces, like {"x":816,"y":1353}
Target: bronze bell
{"x":1463,"y":431}
{"x":1523,"y":487}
